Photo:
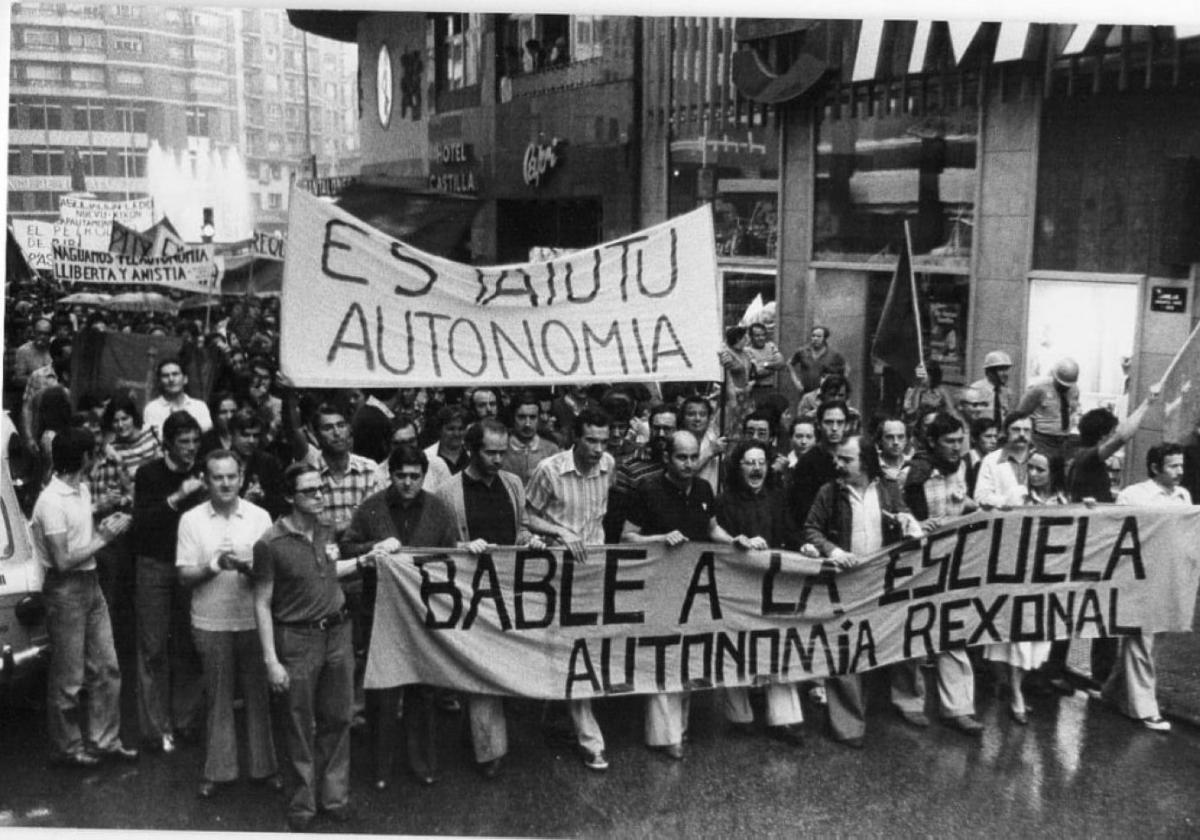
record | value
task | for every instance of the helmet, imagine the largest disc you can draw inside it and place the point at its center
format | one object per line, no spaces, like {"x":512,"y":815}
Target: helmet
{"x":997,"y":358}
{"x":1066,"y":372}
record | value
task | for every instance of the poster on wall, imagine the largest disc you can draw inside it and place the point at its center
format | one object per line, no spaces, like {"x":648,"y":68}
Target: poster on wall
{"x":944,"y":342}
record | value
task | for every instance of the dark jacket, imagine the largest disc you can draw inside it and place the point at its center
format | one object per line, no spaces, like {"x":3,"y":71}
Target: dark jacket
{"x":829,"y":525}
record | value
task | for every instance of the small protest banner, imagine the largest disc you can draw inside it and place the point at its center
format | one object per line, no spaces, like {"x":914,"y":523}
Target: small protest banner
{"x":647,"y":618}
{"x":268,"y":246}
{"x":362,"y":309}
{"x":93,"y":217}
{"x":38,"y":238}
{"x":191,"y":270}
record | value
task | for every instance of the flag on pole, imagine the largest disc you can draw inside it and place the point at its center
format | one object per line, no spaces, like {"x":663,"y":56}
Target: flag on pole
{"x":1181,"y":391}
{"x":898,"y":341}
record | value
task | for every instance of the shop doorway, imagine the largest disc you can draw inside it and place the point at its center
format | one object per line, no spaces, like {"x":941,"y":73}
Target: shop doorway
{"x":567,"y":224}
{"x":1093,"y":322}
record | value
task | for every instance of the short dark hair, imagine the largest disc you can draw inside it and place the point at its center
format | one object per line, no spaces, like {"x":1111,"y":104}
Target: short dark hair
{"x":178,"y":423}
{"x":803,"y":418}
{"x":328,"y":407}
{"x":402,"y":420}
{"x":525,"y":397}
{"x":407,"y":455}
{"x":70,"y":448}
{"x":170,"y":360}
{"x":828,"y":406}
{"x":597,"y":417}
{"x":1095,"y":425}
{"x":759,"y":416}
{"x":734,"y":334}
{"x":244,"y":419}
{"x":868,"y":455}
{"x":696,"y":399}
{"x":475,"y":432}
{"x":126,"y":404}
{"x":450,"y":413}
{"x":662,"y":408}
{"x":980,"y":425}
{"x":943,"y":423}
{"x":1155,"y":457}
{"x":220,"y":455}
{"x":292,"y":474}
{"x":833,"y":382}
{"x":1016,"y":417}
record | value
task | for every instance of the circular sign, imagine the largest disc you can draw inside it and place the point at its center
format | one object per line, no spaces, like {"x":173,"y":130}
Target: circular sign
{"x":383,"y":86}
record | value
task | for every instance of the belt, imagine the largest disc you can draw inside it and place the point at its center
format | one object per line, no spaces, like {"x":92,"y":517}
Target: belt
{"x":331,"y":620}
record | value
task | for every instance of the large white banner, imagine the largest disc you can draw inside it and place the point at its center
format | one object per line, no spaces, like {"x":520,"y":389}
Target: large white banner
{"x":362,"y":309}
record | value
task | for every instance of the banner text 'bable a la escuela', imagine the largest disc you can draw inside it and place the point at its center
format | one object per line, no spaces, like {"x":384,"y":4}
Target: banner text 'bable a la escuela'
{"x":645,"y":618}
{"x":362,"y":309}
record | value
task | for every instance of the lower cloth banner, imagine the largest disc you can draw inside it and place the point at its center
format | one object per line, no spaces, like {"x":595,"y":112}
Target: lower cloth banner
{"x":638,"y":619}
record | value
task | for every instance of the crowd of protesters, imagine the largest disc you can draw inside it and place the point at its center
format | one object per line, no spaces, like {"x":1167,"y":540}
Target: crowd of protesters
{"x":223,"y":538}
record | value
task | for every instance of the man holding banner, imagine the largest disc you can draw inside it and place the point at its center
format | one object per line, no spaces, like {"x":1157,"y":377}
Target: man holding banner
{"x":1131,"y":686}
{"x":851,"y":518}
{"x":674,"y":508}
{"x":489,"y":509}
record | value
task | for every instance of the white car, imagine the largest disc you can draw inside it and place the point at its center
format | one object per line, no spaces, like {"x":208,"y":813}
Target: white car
{"x":24,"y":644}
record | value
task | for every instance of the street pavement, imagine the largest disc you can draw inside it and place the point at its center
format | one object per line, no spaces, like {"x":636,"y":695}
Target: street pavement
{"x":1078,"y":770}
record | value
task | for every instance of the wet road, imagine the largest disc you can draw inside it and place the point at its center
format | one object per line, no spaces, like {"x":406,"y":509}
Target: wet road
{"x":1077,"y":770}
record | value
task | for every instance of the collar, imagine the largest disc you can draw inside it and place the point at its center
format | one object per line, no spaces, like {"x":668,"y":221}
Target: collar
{"x":62,"y":488}
{"x":515,"y":445}
{"x":1009,"y":456}
{"x":478,"y":482}
{"x":178,"y":469}
{"x":238,"y":509}
{"x":394,"y":500}
{"x":568,"y":465}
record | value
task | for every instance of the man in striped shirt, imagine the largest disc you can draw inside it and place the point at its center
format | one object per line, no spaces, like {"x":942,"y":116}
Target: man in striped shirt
{"x":566,"y":499}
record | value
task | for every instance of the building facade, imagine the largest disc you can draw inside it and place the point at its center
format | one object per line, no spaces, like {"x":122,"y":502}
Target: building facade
{"x":1047,"y":173}
{"x":105,"y":98}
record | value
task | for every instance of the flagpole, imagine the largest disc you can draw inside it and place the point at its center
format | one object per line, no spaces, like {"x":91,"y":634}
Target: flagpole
{"x":912,"y":278}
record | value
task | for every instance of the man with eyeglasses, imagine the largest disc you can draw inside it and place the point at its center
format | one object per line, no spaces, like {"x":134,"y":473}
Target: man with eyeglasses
{"x":403,"y":514}
{"x":304,"y":630}
{"x":647,"y":461}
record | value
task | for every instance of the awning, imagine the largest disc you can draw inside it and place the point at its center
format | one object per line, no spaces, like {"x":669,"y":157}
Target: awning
{"x":338,"y":26}
{"x":756,"y":82}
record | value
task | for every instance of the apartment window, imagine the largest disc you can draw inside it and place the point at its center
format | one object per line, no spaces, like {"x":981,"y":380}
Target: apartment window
{"x":87,"y":117}
{"x":291,"y":59}
{"x":212,"y":56}
{"x":293,"y":116}
{"x":127,"y":12}
{"x":177,"y":52}
{"x":171,"y":16}
{"x":131,"y":164}
{"x":257,"y":197}
{"x":45,"y":74}
{"x":208,"y":23}
{"x":458,"y":51}
{"x":131,"y":118}
{"x":87,"y":76}
{"x":208,"y":86}
{"x":271,"y":83}
{"x":253,"y":83}
{"x":271,"y":52}
{"x":85,"y":40}
{"x":12,"y":115}
{"x":254,"y":110}
{"x":588,"y":35}
{"x":130,"y":78}
{"x":276,"y":171}
{"x":94,"y":161}
{"x":274,"y":144}
{"x":292,"y":87}
{"x":41,"y":39}
{"x":197,"y":122}
{"x":45,"y":116}
{"x":254,"y":143}
{"x":71,"y":9}
{"x":14,"y":161}
{"x":274,"y":113}
{"x":534,"y":42}
{"x":295,"y":144}
{"x":127,"y":44}
{"x":177,"y":86}
{"x":274,"y":201}
{"x":49,"y":162}
{"x":43,"y":202}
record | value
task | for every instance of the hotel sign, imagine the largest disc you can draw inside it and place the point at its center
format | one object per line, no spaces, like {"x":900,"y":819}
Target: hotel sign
{"x":453,"y":168}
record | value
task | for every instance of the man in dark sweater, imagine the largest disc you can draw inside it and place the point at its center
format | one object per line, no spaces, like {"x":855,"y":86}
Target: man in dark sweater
{"x":169,"y":677}
{"x":816,"y":467}
{"x":401,"y":515}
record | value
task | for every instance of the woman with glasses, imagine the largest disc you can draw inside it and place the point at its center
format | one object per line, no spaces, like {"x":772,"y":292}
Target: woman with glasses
{"x":751,"y":508}
{"x":1045,"y":485}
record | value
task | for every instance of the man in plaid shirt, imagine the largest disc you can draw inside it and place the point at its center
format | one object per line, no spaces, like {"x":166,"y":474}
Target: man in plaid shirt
{"x":346,"y":478}
{"x":935,"y":491}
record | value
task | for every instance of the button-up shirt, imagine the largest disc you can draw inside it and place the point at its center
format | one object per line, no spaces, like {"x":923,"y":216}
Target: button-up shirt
{"x":1043,"y":403}
{"x":866,"y":533}
{"x":1001,"y":475}
{"x":224,"y":603}
{"x":343,"y":495}
{"x":559,"y":492}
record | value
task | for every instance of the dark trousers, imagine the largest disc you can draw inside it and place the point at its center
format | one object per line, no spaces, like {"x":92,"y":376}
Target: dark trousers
{"x":1103,"y":656}
{"x":316,"y":715}
{"x":420,"y":729}
{"x":170,"y":685}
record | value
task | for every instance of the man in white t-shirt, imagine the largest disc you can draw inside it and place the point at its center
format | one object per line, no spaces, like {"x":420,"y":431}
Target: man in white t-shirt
{"x":83,"y":656}
{"x":214,"y":557}
{"x":1131,"y":686}
{"x":172,"y":397}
